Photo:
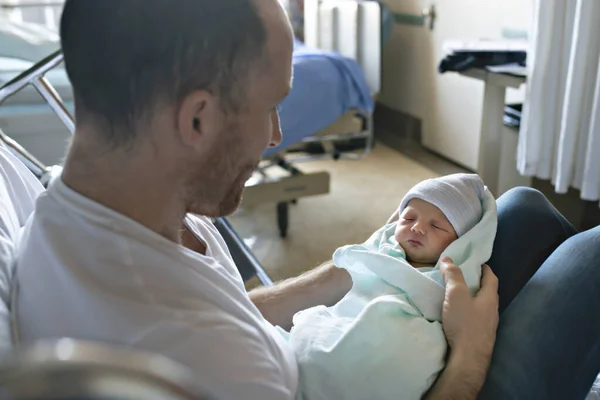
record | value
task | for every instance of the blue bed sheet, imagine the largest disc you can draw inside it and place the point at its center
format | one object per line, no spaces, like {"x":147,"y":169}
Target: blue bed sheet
{"x":325,"y":86}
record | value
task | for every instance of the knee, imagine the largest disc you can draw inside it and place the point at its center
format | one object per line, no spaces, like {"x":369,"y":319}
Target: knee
{"x":527,"y":204}
{"x":530,"y":206}
{"x":525,"y":196}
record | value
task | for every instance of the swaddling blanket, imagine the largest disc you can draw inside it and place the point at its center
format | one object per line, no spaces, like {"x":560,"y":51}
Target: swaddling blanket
{"x":384,"y":339}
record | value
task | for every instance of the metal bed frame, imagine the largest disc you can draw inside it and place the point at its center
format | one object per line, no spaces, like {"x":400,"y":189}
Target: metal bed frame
{"x":246,"y":262}
{"x":66,"y":369}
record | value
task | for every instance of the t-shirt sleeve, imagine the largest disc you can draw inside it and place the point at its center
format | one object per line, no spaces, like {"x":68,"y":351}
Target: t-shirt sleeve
{"x":230,"y":361}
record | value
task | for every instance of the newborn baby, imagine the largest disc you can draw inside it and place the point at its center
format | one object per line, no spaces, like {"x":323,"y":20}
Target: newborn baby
{"x":384,"y":339}
{"x":435,"y":213}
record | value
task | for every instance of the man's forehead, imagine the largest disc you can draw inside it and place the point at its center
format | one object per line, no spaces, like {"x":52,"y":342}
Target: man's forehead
{"x":278,"y":26}
{"x":277,"y":68}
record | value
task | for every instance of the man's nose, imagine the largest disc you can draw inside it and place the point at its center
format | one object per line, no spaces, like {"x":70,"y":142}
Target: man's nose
{"x":277,"y":135}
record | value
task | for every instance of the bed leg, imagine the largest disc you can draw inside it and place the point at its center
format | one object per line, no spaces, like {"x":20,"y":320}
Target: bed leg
{"x":282,"y":218}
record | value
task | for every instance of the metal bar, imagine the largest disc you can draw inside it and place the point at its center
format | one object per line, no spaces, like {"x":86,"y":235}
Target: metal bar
{"x":26,"y":157}
{"x":53,"y":99}
{"x":11,"y":6}
{"x":326,"y":156}
{"x":337,"y":137}
{"x":367,"y":134}
{"x":27,"y":77}
{"x":410,"y":19}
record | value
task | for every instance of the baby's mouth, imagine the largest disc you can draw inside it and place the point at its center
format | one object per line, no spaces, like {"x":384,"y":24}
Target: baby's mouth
{"x":415,"y":243}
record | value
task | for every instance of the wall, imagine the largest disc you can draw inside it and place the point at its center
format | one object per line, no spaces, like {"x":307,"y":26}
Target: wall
{"x":404,"y":61}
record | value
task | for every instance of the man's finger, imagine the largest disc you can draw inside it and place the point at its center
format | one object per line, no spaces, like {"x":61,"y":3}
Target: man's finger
{"x":451,"y":273}
{"x":489,"y":281}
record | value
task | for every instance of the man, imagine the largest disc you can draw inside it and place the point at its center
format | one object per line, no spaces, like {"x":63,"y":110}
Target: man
{"x":175,"y":103}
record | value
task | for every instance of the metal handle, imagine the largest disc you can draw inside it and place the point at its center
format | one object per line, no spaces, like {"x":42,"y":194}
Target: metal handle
{"x":418,"y":19}
{"x":430,"y":13}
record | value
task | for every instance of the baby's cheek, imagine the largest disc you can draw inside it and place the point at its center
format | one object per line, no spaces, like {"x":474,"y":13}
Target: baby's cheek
{"x":447,"y":242}
{"x":398,"y":232}
{"x":398,"y":236}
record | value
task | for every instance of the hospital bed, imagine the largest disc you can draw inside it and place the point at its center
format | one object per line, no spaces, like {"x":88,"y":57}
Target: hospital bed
{"x":337,"y":74}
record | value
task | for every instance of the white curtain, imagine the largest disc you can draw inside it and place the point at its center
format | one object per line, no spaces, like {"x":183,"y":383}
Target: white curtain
{"x":560,"y":133}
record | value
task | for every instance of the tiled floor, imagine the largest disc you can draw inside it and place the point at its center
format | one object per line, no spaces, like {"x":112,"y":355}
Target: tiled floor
{"x":364,"y":194}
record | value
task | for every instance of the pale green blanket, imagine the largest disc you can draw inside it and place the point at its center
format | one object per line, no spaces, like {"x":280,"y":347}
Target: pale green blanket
{"x":384,"y":339}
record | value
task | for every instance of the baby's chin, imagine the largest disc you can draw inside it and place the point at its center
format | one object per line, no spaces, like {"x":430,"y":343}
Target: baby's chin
{"x":421,"y":261}
{"x":421,"y":255}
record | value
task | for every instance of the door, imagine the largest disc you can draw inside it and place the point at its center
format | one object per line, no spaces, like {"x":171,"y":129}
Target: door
{"x":449,"y":105}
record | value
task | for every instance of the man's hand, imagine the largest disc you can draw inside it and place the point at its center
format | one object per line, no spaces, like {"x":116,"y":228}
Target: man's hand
{"x":470,"y":325}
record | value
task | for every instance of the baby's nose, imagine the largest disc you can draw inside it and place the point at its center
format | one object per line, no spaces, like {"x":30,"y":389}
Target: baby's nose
{"x":418,"y":228}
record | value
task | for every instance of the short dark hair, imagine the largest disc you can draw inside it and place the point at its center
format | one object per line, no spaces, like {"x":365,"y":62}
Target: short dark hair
{"x":124,"y":57}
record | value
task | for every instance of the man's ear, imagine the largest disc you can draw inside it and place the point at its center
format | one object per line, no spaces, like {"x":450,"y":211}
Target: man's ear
{"x":198,"y":118}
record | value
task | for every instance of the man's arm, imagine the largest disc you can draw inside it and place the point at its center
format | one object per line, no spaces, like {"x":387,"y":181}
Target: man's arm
{"x":470,"y":325}
{"x":325,"y":285}
{"x":462,"y":378}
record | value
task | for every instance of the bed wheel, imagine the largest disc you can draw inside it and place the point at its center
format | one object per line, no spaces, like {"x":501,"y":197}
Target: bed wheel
{"x":282,"y":218}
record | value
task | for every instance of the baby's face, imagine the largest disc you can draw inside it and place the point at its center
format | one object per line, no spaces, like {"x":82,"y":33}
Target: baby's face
{"x":424,"y":232}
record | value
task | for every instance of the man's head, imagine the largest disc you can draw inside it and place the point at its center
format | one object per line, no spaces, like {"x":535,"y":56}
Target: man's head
{"x":191,"y":86}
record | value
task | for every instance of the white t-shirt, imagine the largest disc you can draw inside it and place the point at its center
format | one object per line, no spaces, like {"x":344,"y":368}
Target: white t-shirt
{"x":87,"y":272}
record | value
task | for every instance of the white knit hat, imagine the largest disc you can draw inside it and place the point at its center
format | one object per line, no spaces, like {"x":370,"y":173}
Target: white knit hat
{"x":458,"y":196}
